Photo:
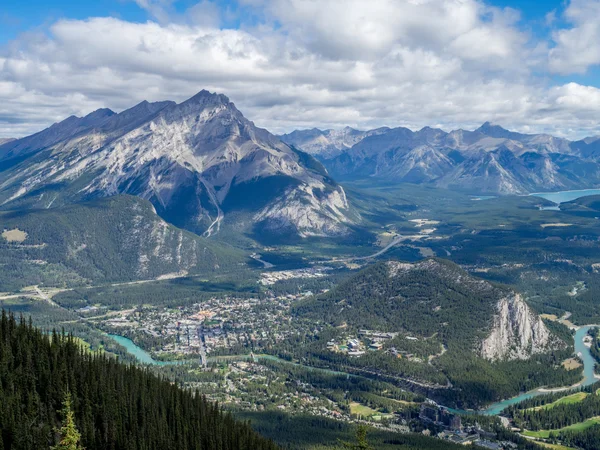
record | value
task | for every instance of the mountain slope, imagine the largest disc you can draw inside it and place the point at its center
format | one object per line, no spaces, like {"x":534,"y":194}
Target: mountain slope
{"x":115,"y":405}
{"x":489,"y":159}
{"x":436,"y":297}
{"x":190,"y":160}
{"x":455,"y":338}
{"x":114,"y":239}
{"x":327,"y":144}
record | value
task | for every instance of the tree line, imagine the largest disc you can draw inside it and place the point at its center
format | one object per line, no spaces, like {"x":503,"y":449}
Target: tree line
{"x":115,"y":406}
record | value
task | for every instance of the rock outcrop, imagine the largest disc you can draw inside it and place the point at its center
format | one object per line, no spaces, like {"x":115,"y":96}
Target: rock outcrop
{"x":517,"y":332}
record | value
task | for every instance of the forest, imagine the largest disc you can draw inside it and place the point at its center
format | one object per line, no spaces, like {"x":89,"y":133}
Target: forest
{"x":549,"y":413}
{"x":430,"y":305}
{"x":115,"y":406}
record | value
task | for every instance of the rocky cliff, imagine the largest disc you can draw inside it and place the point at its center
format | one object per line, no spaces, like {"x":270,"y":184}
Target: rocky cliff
{"x":517,"y":332}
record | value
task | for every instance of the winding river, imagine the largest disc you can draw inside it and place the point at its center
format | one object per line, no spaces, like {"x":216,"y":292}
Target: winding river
{"x":589,"y":376}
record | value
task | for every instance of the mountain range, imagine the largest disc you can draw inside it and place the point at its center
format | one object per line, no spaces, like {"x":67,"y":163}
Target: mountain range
{"x":203,"y":165}
{"x":489,"y":159}
{"x":199,"y":163}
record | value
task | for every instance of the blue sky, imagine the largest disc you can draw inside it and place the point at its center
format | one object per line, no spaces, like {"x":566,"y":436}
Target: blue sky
{"x":529,"y":65}
{"x":19,"y":16}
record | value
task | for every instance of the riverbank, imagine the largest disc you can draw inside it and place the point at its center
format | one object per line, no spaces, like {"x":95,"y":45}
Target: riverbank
{"x":589,"y":375}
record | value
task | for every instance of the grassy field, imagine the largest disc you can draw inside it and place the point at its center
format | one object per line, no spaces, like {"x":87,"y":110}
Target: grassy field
{"x":545,"y":434}
{"x":15,"y":235}
{"x":571,"y":364}
{"x":555,"y":446}
{"x":361,"y":410}
{"x":568,"y":400}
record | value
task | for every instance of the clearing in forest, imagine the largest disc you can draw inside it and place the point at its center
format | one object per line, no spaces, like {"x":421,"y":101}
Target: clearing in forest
{"x":15,"y":235}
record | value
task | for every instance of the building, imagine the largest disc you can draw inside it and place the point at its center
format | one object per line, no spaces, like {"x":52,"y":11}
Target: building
{"x":353,"y":344}
{"x":376,"y":346}
{"x":430,"y":412}
{"x":490,"y":445}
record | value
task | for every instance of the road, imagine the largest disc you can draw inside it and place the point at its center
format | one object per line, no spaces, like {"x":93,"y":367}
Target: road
{"x":266,"y":264}
{"x":30,"y":294}
{"x":45,"y":297}
{"x":396,"y":241}
{"x":203,"y":358}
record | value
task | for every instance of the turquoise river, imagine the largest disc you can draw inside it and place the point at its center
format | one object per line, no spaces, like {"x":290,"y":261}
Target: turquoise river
{"x":589,"y":377}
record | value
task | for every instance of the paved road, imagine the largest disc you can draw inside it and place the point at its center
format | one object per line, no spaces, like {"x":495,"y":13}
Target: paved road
{"x":396,"y":241}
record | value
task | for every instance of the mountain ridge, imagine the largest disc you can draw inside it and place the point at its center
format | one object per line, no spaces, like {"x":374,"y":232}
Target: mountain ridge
{"x":489,"y":159}
{"x":184,"y":158}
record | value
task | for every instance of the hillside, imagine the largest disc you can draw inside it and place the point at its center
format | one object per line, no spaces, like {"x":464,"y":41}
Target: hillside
{"x":116,"y":406}
{"x":456,"y":338}
{"x":197,"y":162}
{"x":435,"y":297}
{"x":589,"y":205}
{"x":115,"y":239}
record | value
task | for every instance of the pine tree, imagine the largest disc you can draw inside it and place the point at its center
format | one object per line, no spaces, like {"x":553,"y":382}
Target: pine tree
{"x":69,"y":435}
{"x":361,"y":440}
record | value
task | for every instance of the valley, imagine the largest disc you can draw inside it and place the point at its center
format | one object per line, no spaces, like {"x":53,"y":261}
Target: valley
{"x":166,"y":319}
{"x":239,"y":267}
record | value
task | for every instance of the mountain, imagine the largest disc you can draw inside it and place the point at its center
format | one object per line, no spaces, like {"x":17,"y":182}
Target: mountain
{"x":113,"y":405}
{"x":436,"y":297}
{"x":455,"y":338}
{"x":489,"y":159}
{"x":327,"y":144}
{"x":200,"y":163}
{"x":104,"y":240}
{"x":5,"y":140}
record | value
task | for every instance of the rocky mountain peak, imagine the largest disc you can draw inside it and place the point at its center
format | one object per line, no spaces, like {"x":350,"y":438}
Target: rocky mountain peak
{"x":195,"y":161}
{"x":207,"y":98}
{"x":496,"y":131}
{"x":6,"y":140}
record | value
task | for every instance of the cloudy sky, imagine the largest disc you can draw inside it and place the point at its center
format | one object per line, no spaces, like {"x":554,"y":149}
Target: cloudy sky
{"x":528,"y":65}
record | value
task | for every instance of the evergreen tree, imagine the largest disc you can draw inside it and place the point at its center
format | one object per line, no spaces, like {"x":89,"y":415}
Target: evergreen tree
{"x":69,"y":435}
{"x":361,"y":440}
{"x":118,"y":407}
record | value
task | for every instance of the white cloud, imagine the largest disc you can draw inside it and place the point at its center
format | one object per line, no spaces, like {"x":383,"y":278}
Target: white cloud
{"x":578,"y":47}
{"x":331,"y":63}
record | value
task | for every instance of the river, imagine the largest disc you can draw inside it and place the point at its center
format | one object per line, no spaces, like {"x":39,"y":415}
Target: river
{"x":144,"y":357}
{"x":589,"y":377}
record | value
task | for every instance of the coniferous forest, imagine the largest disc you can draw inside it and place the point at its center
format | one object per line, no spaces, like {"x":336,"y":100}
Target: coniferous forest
{"x":115,"y":406}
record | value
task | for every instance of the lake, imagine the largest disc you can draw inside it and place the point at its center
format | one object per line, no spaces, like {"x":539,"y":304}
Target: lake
{"x":566,"y":196}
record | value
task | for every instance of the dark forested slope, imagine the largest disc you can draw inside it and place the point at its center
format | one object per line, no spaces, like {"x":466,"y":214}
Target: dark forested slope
{"x":114,"y":239}
{"x":117,"y":407}
{"x":474,"y":341}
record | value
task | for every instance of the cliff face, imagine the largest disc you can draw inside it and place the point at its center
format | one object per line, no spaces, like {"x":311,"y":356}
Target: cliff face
{"x":198,"y":162}
{"x":517,"y":332}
